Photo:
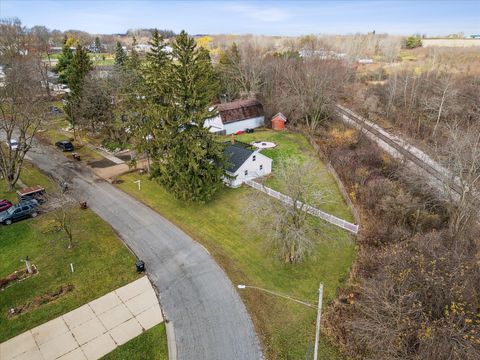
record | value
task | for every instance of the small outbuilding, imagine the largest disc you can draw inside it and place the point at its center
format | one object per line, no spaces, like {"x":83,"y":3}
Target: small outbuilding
{"x":236,"y":116}
{"x":278,"y":121}
{"x":245,"y":164}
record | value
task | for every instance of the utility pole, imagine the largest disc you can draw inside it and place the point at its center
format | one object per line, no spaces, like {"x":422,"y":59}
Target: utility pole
{"x":319,"y":318}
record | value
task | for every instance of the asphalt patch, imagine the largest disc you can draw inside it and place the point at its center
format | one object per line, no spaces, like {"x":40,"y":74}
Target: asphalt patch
{"x":101,"y":164}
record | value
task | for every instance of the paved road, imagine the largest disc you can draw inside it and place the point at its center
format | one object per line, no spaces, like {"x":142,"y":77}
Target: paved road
{"x":210,"y":320}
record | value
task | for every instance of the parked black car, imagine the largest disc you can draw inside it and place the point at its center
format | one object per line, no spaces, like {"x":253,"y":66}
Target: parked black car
{"x":23,"y":210}
{"x":64,"y":145}
{"x":54,"y":110}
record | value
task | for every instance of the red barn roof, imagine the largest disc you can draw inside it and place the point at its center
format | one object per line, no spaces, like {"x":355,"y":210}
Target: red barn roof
{"x":240,"y":110}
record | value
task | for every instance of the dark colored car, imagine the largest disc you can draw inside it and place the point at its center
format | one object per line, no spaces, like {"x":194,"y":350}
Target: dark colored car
{"x":55,"y":110}
{"x":23,"y":210}
{"x":64,"y":145}
{"x":5,"y":205}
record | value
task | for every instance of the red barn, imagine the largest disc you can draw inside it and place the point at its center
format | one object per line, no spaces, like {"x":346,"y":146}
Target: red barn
{"x":278,"y":122}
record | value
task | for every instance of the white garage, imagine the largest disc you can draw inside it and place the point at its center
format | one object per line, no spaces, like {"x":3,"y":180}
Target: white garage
{"x":237,"y":116}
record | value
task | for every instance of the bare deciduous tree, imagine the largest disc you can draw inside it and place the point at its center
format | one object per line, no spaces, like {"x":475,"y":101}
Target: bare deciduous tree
{"x":62,"y":205}
{"x":23,"y":103}
{"x":290,"y":230}
{"x":307,"y":89}
{"x":243,"y":64}
{"x":462,"y":161}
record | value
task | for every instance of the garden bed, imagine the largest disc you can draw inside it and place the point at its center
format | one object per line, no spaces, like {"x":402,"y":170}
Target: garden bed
{"x":19,"y":275}
{"x":40,"y":300}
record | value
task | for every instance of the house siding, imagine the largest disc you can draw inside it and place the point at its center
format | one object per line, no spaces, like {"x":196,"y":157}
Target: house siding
{"x":214,"y":124}
{"x":252,"y":123}
{"x":253,"y":168}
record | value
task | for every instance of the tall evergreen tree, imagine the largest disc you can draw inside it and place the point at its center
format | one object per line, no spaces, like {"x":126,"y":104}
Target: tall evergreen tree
{"x":190,"y":163}
{"x":78,"y":69}
{"x":80,"y":66}
{"x":120,"y":54}
{"x":98,"y":45}
{"x":157,"y":55}
{"x":64,"y":61}
{"x":133,"y":61}
{"x":155,"y":66}
{"x":150,"y":85}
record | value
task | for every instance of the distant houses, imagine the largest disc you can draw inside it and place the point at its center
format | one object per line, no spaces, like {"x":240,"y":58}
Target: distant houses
{"x":321,"y":54}
{"x":236,"y":116}
{"x":58,"y":49}
{"x":144,"y":48}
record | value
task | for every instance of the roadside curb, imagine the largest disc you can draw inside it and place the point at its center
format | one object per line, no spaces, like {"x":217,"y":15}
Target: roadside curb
{"x":171,"y":343}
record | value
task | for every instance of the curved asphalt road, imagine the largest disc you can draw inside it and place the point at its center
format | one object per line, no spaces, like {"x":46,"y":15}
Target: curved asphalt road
{"x":209,"y":318}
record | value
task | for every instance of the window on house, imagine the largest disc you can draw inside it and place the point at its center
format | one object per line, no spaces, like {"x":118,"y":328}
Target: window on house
{"x":261,"y":167}
{"x":254,"y":158}
{"x":246,"y":172}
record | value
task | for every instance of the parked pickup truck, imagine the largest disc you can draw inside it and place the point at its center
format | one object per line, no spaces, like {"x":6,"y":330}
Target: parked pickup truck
{"x":36,"y":192}
{"x":20,"y":211}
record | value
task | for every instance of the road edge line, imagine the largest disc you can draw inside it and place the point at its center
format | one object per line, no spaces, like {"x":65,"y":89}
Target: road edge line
{"x":171,"y":343}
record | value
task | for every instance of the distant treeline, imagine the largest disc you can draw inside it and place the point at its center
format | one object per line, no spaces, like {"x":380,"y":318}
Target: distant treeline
{"x":148,"y":33}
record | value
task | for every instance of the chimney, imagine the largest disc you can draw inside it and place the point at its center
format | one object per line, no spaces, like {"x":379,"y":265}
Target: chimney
{"x":232,"y":140}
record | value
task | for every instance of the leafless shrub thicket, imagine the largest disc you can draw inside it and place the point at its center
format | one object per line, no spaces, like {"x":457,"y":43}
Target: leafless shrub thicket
{"x":365,"y":45}
{"x":303,"y":89}
{"x":415,"y":285}
{"x":425,"y":104}
{"x":462,"y":161}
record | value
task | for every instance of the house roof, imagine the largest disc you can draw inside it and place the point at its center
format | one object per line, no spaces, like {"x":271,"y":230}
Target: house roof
{"x":236,"y":156}
{"x":240,"y":110}
{"x":279,"y":116}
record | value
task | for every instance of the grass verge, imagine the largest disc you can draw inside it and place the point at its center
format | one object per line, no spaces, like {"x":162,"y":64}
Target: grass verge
{"x":222,"y":226}
{"x":55,"y":130}
{"x":294,"y":144}
{"x":101,"y":263}
{"x":151,"y":344}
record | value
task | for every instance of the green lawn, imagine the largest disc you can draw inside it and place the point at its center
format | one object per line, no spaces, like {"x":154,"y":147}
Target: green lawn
{"x":101,"y":262}
{"x":30,"y":177}
{"x":152,"y":345}
{"x":52,"y":132}
{"x":98,"y":60}
{"x":286,"y":328}
{"x":293,"y":144}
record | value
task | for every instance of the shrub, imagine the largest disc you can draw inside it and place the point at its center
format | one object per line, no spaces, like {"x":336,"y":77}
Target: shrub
{"x":413,"y":42}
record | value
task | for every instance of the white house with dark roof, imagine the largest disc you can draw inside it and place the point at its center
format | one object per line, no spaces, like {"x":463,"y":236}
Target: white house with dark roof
{"x":245,"y":164}
{"x":236,"y":116}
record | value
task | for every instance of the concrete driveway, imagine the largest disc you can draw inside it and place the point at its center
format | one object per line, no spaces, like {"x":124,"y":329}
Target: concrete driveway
{"x":209,"y":318}
{"x":92,"y":330}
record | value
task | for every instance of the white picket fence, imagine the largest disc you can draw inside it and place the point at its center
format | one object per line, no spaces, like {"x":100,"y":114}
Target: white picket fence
{"x":353,"y":228}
